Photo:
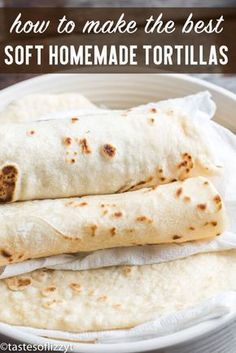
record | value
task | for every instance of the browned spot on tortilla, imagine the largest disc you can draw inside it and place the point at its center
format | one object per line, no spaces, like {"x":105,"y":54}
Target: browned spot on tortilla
{"x":206,"y":183}
{"x":144,"y":219}
{"x":72,"y":161}
{"x":17,"y":284}
{"x":51,"y":289}
{"x":140,"y":183}
{"x":185,"y":165}
{"x":179,"y":192}
{"x":105,"y":212}
{"x":149,"y":179}
{"x":5,"y":253}
{"x":116,"y":306}
{"x":102,"y":205}
{"x":131,"y":230}
{"x":187,"y":156}
{"x":160,"y":170}
{"x":217,"y":234}
{"x":124,"y":188}
{"x":70,"y":203}
{"x":182,"y":164}
{"x":48,"y":291}
{"x":151,"y":121}
{"x":93,"y":230}
{"x":8,"y":179}
{"x":217,"y":199}
{"x":20,"y":256}
{"x":83,"y":204}
{"x":173,"y":180}
{"x":51,"y":303}
{"x":191,"y":228}
{"x":214,"y":223}
{"x":73,"y":120}
{"x":202,"y":206}
{"x":47,"y":270}
{"x":75,"y":287}
{"x":84,"y":146}
{"x":153,"y":110}
{"x":151,"y":188}
{"x":30,"y":133}
{"x":113,"y":231}
{"x":186,"y":199}
{"x":67,"y":237}
{"x":24,"y":282}
{"x":141,"y":218}
{"x":176,"y":237}
{"x":162,"y":178}
{"x":117,"y":214}
{"x":127,"y":270}
{"x":136,"y":186}
{"x":67,"y":141}
{"x":108,"y":151}
{"x":103,"y":298}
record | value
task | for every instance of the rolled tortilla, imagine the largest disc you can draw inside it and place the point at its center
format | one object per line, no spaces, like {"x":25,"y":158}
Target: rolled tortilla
{"x":176,"y":212}
{"x":38,"y":106}
{"x":115,"y":297}
{"x":99,"y":154}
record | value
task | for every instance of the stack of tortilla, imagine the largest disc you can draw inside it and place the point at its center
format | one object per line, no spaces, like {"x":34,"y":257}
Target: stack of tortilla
{"x":104,"y":179}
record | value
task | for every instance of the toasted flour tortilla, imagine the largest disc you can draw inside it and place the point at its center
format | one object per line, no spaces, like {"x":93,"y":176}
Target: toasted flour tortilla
{"x":115,"y":297}
{"x":99,"y":154}
{"x":176,"y":212}
{"x":38,"y":106}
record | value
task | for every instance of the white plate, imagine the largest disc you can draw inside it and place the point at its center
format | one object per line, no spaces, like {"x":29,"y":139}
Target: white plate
{"x":122,"y":91}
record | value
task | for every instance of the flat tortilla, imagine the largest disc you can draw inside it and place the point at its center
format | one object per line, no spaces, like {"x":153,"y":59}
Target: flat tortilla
{"x":36,"y":106}
{"x":115,"y":297}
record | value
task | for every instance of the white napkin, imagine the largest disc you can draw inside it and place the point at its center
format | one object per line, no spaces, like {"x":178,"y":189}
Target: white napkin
{"x":201,"y":108}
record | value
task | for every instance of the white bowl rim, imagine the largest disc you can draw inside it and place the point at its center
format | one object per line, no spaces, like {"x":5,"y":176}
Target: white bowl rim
{"x":167,"y":341}
{"x":186,"y":335}
{"x":182,"y":77}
